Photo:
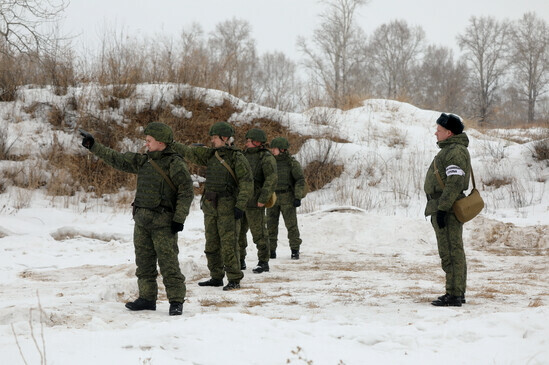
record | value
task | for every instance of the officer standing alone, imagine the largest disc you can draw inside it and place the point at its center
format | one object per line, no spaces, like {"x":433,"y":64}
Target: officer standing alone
{"x":452,"y":164}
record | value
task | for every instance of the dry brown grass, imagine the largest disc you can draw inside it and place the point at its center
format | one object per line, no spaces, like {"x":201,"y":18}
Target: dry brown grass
{"x":28,"y":177}
{"x":497,"y":182}
{"x":219,"y":303}
{"x":255,"y":303}
{"x":317,"y":173}
{"x":56,"y":117}
{"x":274,"y":279}
{"x":540,"y":150}
{"x":536,"y":303}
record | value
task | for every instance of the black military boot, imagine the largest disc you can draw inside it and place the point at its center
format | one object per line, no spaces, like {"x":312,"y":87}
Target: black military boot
{"x":141,"y":304}
{"x":295,"y":254}
{"x":273,"y":255}
{"x":462,"y":298}
{"x":176,"y":308}
{"x":262,"y":266}
{"x":211,"y":282}
{"x":447,"y":300}
{"x":242,"y":264}
{"x":231,"y":286}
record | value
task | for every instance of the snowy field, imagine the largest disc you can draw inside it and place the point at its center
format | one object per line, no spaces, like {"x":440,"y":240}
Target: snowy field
{"x":360,"y":294}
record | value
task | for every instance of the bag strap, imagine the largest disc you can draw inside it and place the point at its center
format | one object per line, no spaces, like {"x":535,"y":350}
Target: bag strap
{"x":440,"y":179}
{"x":226,"y":166}
{"x":163,"y":174}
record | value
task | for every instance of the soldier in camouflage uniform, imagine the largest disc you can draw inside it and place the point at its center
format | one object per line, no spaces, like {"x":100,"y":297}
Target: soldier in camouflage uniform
{"x":160,"y":210}
{"x":223,"y":202}
{"x":263,"y":166}
{"x":290,"y":189}
{"x":454,"y":167}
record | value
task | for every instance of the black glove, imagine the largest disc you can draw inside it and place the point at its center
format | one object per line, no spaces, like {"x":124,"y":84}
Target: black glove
{"x":176,"y":227}
{"x":87,"y":140}
{"x":297,"y":203}
{"x":441,"y":218}
{"x":238,"y":213}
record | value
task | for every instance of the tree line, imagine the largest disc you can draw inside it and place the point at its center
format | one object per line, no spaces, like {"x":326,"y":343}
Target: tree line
{"x":501,"y":77}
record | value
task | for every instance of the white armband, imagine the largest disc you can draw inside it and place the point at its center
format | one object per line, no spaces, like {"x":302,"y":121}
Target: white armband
{"x":454,"y":170}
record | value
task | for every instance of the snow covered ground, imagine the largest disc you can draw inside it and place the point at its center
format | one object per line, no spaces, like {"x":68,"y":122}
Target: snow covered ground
{"x":360,"y":293}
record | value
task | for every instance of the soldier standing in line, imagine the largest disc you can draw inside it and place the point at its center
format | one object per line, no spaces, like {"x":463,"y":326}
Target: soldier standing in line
{"x":162,"y":200}
{"x":453,"y":166}
{"x":228,"y":188}
{"x":290,"y":189}
{"x":263,"y":166}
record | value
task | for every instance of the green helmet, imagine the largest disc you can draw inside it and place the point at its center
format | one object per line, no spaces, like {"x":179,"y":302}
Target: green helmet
{"x":159,"y":131}
{"x":280,"y":143}
{"x":256,"y":134}
{"x":222,"y":129}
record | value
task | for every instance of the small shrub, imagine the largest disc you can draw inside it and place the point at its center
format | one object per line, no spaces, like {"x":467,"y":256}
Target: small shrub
{"x":5,"y":145}
{"x":56,"y":116}
{"x":540,"y":150}
{"x":396,"y":138}
{"x":318,"y":173}
{"x":109,"y":102}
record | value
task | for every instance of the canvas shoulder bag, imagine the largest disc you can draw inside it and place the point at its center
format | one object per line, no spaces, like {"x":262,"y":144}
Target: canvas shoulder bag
{"x":469,"y":207}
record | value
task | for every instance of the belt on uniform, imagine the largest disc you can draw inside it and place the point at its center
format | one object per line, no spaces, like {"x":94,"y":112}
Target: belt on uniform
{"x":282,"y":191}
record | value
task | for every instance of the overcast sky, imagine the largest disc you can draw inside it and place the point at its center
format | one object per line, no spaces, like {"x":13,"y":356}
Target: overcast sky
{"x":276,"y":24}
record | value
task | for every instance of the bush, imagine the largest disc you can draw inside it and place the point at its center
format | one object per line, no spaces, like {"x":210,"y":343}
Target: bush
{"x":540,"y":150}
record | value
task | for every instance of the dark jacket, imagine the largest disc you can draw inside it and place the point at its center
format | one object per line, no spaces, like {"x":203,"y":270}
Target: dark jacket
{"x":454,"y":166}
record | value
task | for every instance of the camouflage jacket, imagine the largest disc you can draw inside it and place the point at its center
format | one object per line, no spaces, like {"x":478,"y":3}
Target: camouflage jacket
{"x":290,"y":175}
{"x":205,"y":156}
{"x":263,"y":165}
{"x":153,"y":192}
{"x":454,"y":166}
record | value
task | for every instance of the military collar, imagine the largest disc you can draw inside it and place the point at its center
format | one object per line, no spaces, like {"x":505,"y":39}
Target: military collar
{"x":455,"y":139}
{"x":253,"y":149}
{"x":156,"y":155}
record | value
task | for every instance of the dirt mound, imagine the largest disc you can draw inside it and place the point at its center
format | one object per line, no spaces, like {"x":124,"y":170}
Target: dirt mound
{"x":489,"y":233}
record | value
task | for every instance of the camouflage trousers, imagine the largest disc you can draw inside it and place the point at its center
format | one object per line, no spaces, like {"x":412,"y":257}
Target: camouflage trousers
{"x":284,"y":205}
{"x":222,"y":239}
{"x":452,"y":254}
{"x":255,"y":221}
{"x":152,"y":245}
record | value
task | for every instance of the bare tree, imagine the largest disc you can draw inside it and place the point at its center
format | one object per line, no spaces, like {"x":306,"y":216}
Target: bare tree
{"x":277,"y":82}
{"x":121,"y":59}
{"x":234,"y":56}
{"x":530,"y":58}
{"x":393,"y":51}
{"x":194,"y":61}
{"x":338,"y":49}
{"x":22,"y":24}
{"x":441,"y":83}
{"x":485,"y":44}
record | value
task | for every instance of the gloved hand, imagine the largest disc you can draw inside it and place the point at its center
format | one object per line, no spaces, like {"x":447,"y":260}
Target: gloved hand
{"x":238,"y":213}
{"x":87,"y":140}
{"x":176,"y":227}
{"x":441,"y":218}
{"x":297,"y":203}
